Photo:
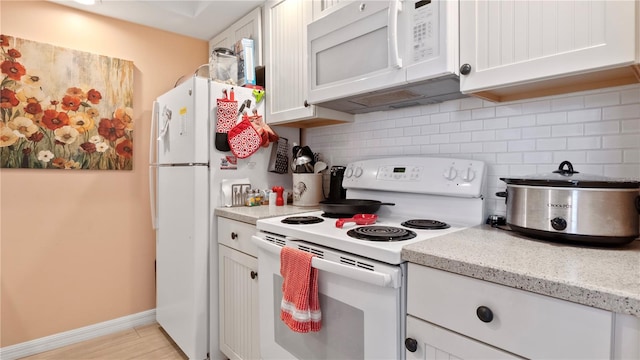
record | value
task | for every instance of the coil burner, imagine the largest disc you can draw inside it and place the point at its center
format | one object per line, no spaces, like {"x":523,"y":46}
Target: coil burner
{"x":381,"y":233}
{"x":423,"y":224}
{"x":302,"y":220}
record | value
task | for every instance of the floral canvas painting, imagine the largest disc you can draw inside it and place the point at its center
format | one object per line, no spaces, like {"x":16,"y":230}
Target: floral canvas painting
{"x":64,"y":109}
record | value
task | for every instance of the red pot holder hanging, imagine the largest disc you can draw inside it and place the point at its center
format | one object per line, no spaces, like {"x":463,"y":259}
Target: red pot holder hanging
{"x":226,"y":115}
{"x":244,"y":140}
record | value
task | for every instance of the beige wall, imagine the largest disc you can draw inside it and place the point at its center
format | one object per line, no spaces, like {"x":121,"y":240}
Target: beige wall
{"x":77,"y":247}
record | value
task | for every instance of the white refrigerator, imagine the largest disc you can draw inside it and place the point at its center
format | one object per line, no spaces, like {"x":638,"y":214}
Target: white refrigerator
{"x":185,"y":175}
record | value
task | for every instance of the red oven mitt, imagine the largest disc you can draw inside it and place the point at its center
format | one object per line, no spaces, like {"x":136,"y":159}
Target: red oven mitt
{"x":226,"y":115}
{"x":244,"y":139}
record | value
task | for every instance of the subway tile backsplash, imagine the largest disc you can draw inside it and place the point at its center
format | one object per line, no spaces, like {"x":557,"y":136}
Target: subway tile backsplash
{"x":598,"y":131}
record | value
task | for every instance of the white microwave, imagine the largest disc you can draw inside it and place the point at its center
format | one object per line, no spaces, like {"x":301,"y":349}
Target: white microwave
{"x":377,"y":55}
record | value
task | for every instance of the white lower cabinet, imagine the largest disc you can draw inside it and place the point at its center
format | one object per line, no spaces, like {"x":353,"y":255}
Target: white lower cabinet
{"x":238,"y":290}
{"x":469,"y":318}
{"x":432,"y":342}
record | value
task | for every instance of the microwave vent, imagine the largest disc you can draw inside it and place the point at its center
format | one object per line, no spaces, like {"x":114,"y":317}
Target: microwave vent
{"x":425,"y":92}
{"x":386,"y":98}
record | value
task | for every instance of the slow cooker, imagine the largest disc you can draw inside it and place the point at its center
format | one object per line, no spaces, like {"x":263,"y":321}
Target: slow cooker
{"x":568,"y":206}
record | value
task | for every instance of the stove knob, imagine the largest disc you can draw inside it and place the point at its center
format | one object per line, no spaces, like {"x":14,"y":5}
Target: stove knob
{"x":559,"y":223}
{"x":349,"y":172}
{"x":358,"y":172}
{"x":411,"y":344}
{"x":451,"y":173}
{"x":469,"y":175}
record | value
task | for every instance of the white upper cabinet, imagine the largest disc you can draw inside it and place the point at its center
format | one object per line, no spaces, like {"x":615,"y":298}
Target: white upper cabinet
{"x":249,"y":26}
{"x":323,"y":7}
{"x":514,"y":49}
{"x":286,"y":67}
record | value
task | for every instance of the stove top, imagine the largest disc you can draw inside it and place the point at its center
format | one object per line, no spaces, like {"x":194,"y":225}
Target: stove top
{"x":432,"y":197}
{"x":328,"y":235}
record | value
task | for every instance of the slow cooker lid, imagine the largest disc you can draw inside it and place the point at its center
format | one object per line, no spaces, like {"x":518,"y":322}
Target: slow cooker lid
{"x":565,"y":176}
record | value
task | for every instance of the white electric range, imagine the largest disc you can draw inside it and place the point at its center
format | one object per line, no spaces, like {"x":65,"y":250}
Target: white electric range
{"x":363,"y":281}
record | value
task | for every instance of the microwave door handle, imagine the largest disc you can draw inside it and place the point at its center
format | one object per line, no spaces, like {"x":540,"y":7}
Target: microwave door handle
{"x":394,"y":13}
{"x":368,"y":276}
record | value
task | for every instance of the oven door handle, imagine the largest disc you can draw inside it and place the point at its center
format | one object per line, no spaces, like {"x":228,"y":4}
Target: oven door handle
{"x":368,"y":276}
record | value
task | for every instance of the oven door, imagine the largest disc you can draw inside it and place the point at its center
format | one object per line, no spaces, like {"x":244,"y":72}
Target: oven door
{"x":363,"y":311}
{"x":354,"y":50}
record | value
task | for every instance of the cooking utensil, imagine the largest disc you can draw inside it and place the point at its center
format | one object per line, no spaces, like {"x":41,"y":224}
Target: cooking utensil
{"x":319,"y":166}
{"x":302,"y":164}
{"x":569,"y":206}
{"x":359,"y":219}
{"x":351,"y":206}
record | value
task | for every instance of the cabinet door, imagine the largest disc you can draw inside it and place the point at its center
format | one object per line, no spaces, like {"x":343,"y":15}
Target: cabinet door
{"x":238,"y":292}
{"x":287,"y":70}
{"x":512,"y":42}
{"x":250,"y":26}
{"x":286,"y":60}
{"x":433,"y":342}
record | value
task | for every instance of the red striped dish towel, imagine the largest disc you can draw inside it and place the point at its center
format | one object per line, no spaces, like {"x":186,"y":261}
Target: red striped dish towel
{"x":300,"y":306}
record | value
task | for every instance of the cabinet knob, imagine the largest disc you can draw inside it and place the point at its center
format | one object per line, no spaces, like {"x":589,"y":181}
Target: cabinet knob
{"x":465,"y":69}
{"x":254,"y":274}
{"x":306,"y":104}
{"x":484,"y":314}
{"x":411,"y":344}
{"x":234,"y":236}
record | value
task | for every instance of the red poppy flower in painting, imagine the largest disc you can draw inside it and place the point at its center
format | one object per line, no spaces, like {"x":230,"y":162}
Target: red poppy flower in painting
{"x":88,"y":147}
{"x":54,"y":120}
{"x":8,"y":99}
{"x":58,"y":162}
{"x":125,"y":149}
{"x":94,"y":96}
{"x":33,"y":108}
{"x":111,"y":129}
{"x":36,"y":137}
{"x":4,"y":40}
{"x":70,"y":102}
{"x":14,"y":53}
{"x":13,"y":69}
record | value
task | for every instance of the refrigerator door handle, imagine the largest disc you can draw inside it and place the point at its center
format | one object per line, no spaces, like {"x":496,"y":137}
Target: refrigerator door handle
{"x":153,"y":165}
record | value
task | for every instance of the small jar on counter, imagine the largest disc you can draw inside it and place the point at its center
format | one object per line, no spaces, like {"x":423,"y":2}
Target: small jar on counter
{"x":254,"y":198}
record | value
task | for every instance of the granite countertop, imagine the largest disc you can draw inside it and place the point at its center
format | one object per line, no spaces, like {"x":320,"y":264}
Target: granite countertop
{"x":251,"y":214}
{"x":605,"y":278}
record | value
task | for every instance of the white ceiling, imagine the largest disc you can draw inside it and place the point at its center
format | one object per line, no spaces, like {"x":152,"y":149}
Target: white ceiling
{"x":198,"y":19}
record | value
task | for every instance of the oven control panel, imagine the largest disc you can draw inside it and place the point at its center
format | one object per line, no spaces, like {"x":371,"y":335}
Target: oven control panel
{"x":428,"y":175}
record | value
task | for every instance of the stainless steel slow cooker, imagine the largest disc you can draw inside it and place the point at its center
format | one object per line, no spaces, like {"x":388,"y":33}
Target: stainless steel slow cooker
{"x":568,"y":206}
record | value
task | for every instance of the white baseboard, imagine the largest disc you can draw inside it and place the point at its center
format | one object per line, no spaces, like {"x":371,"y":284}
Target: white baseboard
{"x":77,"y":335}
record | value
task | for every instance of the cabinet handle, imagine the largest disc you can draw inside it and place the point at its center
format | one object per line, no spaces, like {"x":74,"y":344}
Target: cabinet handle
{"x":484,"y":314}
{"x":234,"y":236}
{"x":465,"y":69}
{"x":411,"y":344}
{"x":254,"y":274}
{"x":306,"y":104}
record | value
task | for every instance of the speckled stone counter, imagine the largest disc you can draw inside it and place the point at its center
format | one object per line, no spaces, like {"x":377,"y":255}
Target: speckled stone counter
{"x":251,"y":214}
{"x":605,"y":278}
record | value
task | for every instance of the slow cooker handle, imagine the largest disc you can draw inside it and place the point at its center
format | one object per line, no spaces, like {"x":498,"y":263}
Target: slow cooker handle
{"x":503,"y":194}
{"x":566,"y":172}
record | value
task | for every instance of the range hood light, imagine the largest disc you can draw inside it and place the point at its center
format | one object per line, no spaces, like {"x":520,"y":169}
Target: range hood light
{"x":86,"y":2}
